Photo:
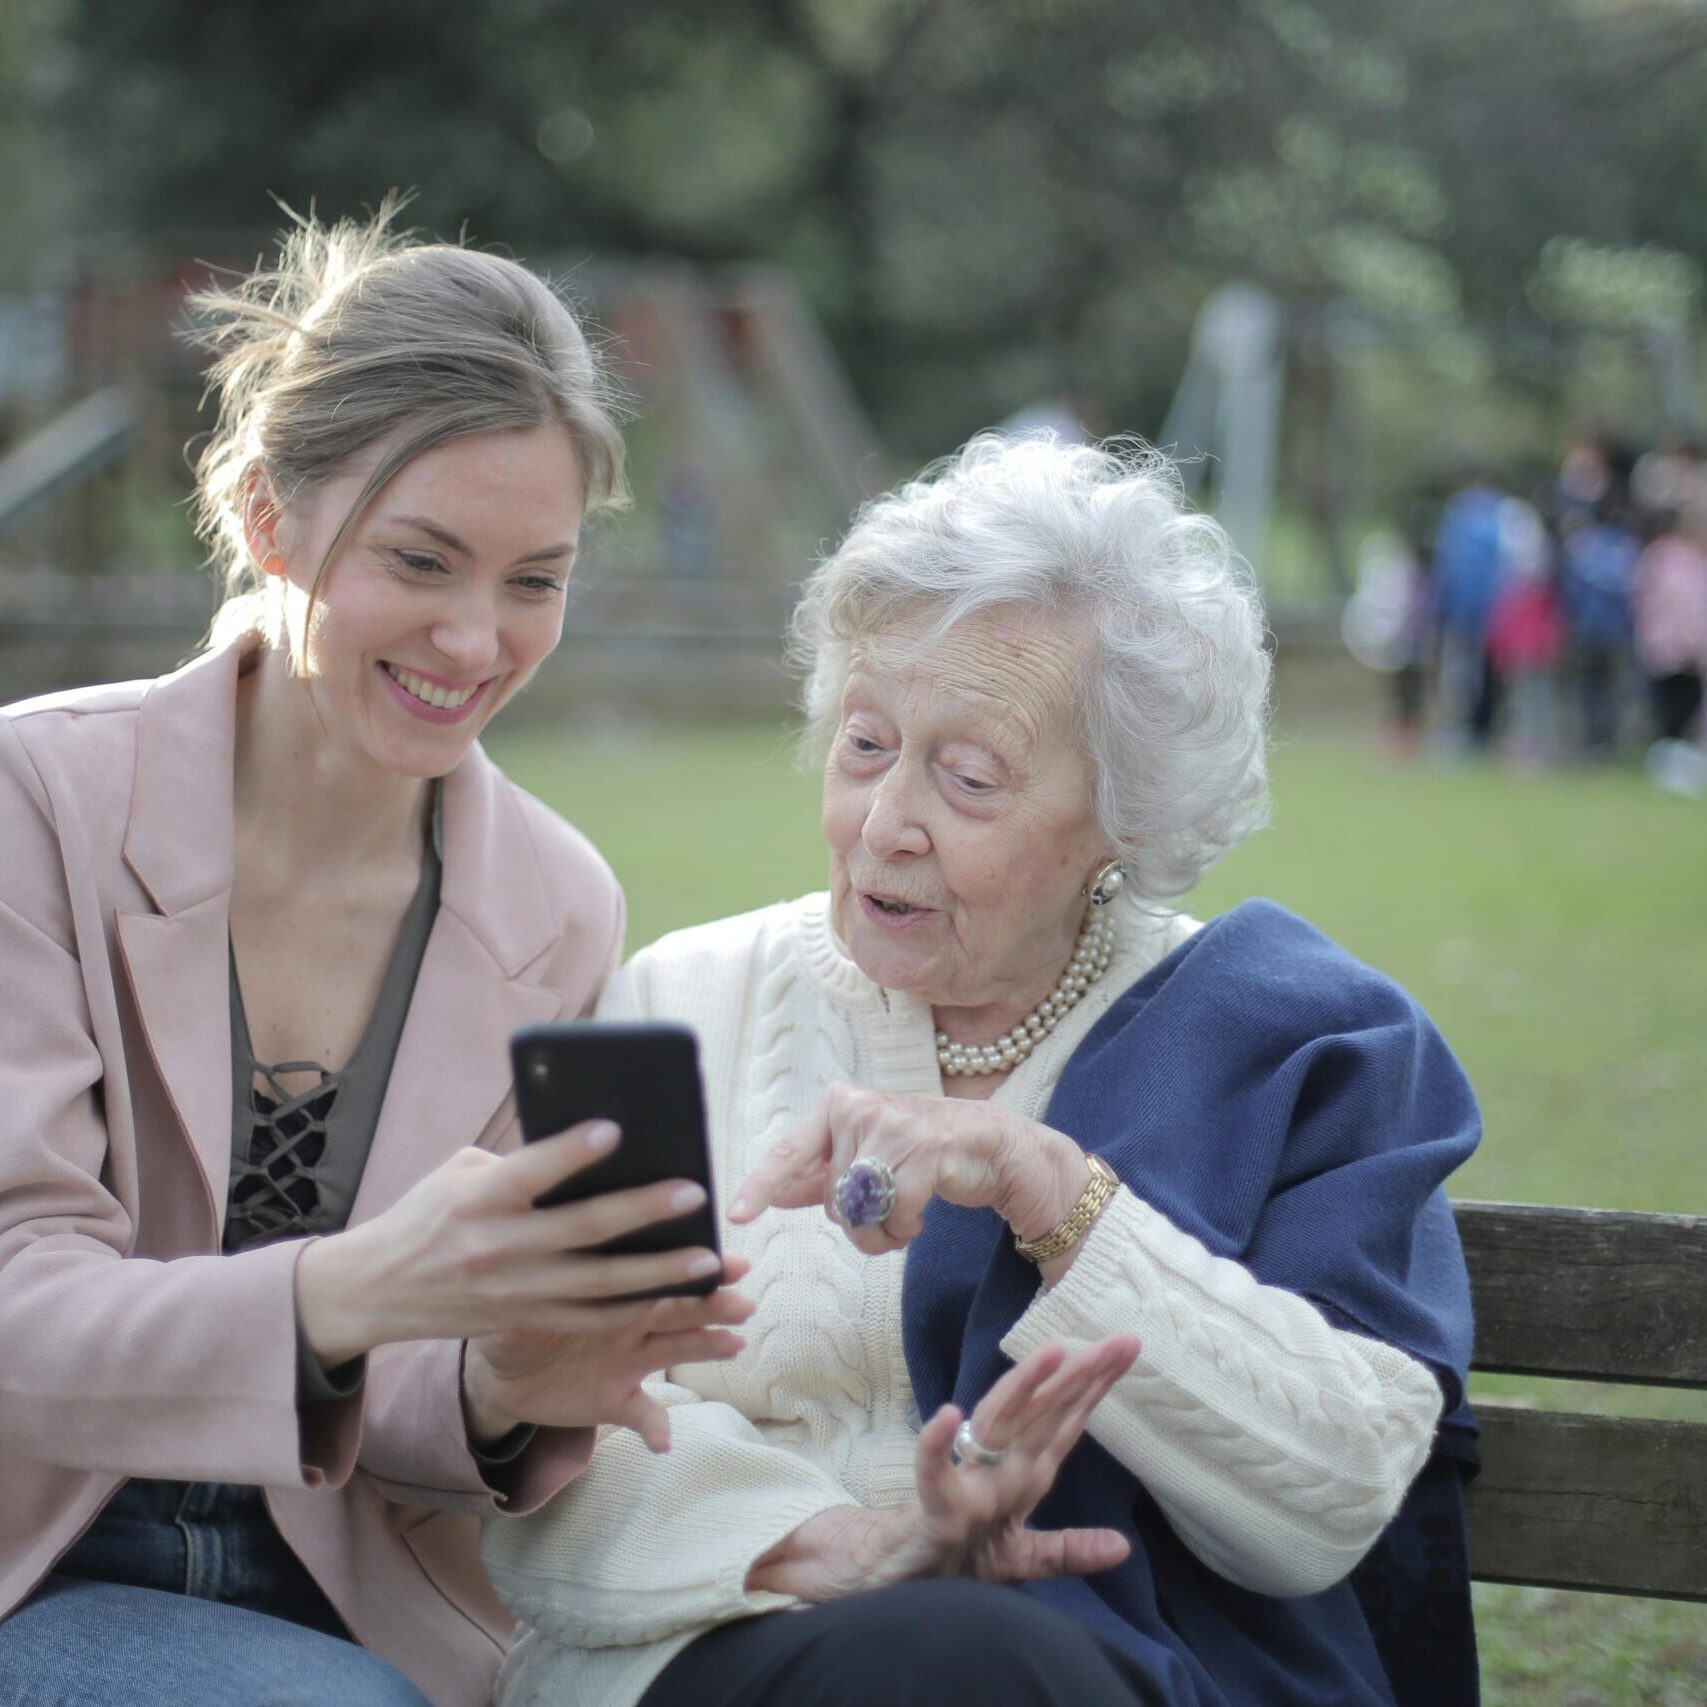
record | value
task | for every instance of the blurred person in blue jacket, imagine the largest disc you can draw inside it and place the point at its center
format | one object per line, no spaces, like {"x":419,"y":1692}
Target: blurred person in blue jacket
{"x":1468,"y":571}
{"x":1598,"y":563}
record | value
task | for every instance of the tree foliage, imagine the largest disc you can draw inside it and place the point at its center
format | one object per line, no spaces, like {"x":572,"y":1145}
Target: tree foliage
{"x":986,"y":199}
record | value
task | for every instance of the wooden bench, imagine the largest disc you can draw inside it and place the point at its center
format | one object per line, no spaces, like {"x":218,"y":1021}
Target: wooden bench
{"x":1613,"y":1505}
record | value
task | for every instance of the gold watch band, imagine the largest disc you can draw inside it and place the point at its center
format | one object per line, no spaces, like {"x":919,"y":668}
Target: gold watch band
{"x":1073,"y":1226}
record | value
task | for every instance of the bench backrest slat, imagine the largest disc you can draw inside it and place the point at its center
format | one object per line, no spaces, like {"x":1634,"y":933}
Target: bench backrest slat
{"x":1570,"y":1500}
{"x":1607,"y":1504}
{"x":1591,"y":1294}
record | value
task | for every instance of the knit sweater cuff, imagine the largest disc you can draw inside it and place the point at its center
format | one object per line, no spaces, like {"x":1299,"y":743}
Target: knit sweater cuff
{"x":592,"y":1615}
{"x":641,"y":1547}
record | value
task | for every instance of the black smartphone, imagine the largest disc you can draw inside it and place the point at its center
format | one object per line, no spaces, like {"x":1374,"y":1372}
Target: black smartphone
{"x":645,"y":1078}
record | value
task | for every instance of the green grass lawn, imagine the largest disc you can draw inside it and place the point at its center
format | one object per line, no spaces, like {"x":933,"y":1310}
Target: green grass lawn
{"x":1556,"y":928}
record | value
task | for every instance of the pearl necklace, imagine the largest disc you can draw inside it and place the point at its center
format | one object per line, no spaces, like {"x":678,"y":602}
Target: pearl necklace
{"x":1090,"y":960}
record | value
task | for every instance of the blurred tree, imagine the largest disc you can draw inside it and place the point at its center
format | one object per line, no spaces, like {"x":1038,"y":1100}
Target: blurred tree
{"x":986,"y":199}
{"x":34,"y":67}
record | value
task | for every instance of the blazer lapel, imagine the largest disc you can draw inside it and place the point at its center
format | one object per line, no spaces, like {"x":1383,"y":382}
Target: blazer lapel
{"x":178,"y":974}
{"x":178,"y":842}
{"x":496,"y":917}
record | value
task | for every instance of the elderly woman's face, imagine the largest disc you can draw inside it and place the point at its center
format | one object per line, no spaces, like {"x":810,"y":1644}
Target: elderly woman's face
{"x":957,"y":806}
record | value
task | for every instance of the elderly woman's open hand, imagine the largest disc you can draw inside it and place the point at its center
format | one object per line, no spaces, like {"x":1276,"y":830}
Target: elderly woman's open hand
{"x":970,"y":1517}
{"x":1030,"y":1420}
{"x":971,"y":1153}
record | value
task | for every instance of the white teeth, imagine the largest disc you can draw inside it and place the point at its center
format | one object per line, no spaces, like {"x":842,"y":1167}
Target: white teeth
{"x":443,"y":699}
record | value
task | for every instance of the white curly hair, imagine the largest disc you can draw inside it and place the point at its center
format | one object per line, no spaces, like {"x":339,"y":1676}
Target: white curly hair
{"x":1174,"y":707}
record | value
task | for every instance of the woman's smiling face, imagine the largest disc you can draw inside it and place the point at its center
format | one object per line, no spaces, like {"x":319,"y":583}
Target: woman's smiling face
{"x":957,"y":808}
{"x":442,"y":600}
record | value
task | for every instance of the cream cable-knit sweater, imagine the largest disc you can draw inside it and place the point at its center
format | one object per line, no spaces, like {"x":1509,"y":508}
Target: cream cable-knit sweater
{"x":1277,"y":1445}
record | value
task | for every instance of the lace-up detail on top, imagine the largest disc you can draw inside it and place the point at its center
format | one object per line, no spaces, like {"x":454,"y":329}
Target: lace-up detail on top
{"x":297,"y":1154}
{"x":274,"y":1189}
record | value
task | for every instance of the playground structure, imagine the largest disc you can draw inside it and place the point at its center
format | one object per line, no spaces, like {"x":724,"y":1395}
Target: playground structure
{"x":1225,"y":416}
{"x":748,"y":452}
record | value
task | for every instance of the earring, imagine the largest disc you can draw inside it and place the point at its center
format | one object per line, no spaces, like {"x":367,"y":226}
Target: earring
{"x":1106,"y":884}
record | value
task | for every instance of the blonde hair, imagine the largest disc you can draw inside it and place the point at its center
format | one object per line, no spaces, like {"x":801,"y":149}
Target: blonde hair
{"x":359,"y":333}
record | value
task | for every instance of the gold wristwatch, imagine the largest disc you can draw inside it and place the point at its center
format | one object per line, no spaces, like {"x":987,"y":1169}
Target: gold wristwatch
{"x":1073,"y":1226}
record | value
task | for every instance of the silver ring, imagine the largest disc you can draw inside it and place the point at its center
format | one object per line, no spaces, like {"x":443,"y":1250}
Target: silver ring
{"x":969,"y":1449}
{"x":865,"y":1194}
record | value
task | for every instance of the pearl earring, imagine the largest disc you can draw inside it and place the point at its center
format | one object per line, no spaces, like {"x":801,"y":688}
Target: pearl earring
{"x":1106,"y":884}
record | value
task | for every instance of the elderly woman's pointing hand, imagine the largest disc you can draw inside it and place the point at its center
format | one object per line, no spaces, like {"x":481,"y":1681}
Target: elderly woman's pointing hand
{"x":977,"y":1154}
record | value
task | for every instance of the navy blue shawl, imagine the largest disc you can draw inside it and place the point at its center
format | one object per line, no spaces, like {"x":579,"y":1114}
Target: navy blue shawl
{"x":1296,"y":1112}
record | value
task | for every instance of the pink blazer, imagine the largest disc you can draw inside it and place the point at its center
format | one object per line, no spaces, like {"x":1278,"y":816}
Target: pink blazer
{"x":129,"y":1346}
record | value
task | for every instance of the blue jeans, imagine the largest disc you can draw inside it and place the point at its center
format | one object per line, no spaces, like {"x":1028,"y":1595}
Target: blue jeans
{"x":184,"y":1593}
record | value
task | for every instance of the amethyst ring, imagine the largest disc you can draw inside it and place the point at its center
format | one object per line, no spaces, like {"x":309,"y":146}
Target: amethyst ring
{"x":865,"y":1194}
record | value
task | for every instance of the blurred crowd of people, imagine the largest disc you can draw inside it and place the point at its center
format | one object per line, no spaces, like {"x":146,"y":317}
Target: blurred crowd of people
{"x":1567,"y":623}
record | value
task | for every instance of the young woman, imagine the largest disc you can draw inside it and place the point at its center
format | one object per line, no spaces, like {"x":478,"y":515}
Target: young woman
{"x":277,"y":1315}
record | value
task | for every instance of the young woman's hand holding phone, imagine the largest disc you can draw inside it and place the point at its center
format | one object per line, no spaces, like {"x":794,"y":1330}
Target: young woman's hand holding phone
{"x":465,"y":1254}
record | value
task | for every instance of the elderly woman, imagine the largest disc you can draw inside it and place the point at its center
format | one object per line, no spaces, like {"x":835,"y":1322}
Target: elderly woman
{"x":1180,"y":1305}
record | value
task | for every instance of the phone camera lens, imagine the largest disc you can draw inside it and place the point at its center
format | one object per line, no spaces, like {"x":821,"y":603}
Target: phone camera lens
{"x":539,"y":1069}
